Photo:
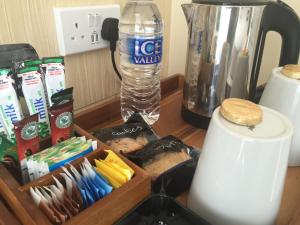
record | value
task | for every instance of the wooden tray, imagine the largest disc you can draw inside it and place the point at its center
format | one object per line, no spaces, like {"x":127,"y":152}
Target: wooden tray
{"x":104,"y":212}
{"x":107,"y":113}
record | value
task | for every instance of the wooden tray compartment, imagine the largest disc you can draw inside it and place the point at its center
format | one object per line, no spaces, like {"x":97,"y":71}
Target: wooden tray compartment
{"x":105,"y":211}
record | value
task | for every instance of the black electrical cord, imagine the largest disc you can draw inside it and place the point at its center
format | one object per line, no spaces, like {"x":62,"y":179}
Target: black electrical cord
{"x":110,"y":32}
{"x":114,"y":64}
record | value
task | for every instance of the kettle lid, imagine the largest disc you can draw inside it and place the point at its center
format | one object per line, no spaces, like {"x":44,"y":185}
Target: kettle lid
{"x":232,"y":2}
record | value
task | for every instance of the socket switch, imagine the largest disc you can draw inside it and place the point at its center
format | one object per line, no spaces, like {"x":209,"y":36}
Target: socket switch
{"x":79,"y":29}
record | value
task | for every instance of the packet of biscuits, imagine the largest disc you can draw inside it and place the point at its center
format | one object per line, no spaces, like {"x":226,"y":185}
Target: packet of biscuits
{"x":170,"y":163}
{"x":128,"y":137}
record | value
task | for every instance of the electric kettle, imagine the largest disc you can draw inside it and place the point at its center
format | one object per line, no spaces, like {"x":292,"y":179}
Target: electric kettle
{"x":226,"y":42}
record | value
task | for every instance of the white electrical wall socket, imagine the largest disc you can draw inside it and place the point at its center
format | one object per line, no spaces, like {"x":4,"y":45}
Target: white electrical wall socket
{"x":79,"y":29}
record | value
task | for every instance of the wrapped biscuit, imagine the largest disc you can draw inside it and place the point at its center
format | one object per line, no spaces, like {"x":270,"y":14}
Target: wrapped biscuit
{"x":159,"y":156}
{"x":129,"y":137}
{"x":170,"y":163}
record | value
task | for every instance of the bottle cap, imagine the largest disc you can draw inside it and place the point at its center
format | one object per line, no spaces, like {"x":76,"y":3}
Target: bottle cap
{"x":241,"y":112}
{"x":291,"y":71}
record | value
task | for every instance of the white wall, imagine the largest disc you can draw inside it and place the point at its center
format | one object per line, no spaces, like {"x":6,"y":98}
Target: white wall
{"x":179,"y":34}
{"x":178,"y":38}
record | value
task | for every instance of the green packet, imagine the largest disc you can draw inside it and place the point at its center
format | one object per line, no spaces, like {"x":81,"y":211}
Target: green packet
{"x":8,"y":150}
{"x":33,"y":62}
{"x":9,"y":157}
{"x":58,"y":155}
{"x":33,"y":91}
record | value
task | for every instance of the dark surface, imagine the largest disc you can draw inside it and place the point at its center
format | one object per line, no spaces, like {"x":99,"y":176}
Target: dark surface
{"x":161,"y":210}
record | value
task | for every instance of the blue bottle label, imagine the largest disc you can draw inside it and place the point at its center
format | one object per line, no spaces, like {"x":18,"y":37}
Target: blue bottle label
{"x":145,"y":51}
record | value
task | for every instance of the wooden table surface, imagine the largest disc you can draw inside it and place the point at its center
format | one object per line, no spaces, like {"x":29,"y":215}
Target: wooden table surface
{"x":170,"y":122}
{"x":6,"y":216}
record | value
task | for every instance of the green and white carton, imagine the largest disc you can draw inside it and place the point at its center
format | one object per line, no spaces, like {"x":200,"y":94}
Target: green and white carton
{"x":33,"y":91}
{"x":10,"y":109}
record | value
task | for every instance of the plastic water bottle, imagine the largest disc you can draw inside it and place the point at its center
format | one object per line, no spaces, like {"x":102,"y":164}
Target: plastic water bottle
{"x":140,"y":45}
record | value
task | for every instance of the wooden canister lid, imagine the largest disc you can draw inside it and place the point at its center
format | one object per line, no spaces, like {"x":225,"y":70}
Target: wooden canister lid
{"x":240,"y":111}
{"x":291,"y":71}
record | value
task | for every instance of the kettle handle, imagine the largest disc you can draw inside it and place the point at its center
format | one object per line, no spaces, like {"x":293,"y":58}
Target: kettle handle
{"x":281,"y":18}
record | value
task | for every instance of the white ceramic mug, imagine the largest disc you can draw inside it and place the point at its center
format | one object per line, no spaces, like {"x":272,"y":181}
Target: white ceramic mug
{"x":283,"y":94}
{"x":240,"y":174}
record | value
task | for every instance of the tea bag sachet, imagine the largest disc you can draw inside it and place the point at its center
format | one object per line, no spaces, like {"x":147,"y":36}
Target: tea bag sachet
{"x":58,"y":204}
{"x":56,"y":212}
{"x":72,"y":207}
{"x":42,"y":203}
{"x":69,"y":202}
{"x":72,"y":190}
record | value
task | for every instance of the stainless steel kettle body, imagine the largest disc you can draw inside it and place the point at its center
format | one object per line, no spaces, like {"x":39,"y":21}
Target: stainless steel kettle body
{"x":225,"y":50}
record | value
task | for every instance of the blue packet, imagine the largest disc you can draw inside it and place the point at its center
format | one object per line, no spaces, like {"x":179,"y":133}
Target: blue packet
{"x":80,"y":185}
{"x":100,"y":191}
{"x":96,"y":178}
{"x":89,"y":197}
{"x":91,"y":186}
{"x":94,"y":190}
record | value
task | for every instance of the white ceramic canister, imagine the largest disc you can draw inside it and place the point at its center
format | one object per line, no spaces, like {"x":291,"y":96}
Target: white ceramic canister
{"x":241,"y":172}
{"x":282,"y":93}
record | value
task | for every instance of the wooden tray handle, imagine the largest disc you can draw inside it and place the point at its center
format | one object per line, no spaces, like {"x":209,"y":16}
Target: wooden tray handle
{"x":21,"y":204}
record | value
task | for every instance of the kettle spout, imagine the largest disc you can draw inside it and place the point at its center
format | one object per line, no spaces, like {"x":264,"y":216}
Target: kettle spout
{"x":187,"y":10}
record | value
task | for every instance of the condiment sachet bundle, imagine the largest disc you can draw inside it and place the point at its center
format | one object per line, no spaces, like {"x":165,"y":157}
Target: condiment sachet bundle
{"x":80,"y":188}
{"x":58,"y":155}
{"x":23,"y":93}
{"x":35,"y":104}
